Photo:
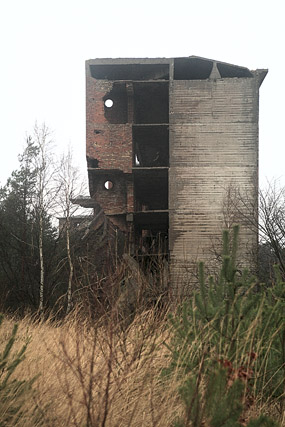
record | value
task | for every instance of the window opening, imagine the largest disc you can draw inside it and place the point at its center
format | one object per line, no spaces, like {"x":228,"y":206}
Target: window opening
{"x":151,"y":103}
{"x":116,"y":104}
{"x":109,"y":103}
{"x":151,"y":146}
{"x":108,"y":185}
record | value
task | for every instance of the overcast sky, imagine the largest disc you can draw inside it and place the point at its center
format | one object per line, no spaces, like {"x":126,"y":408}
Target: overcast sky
{"x":44,"y":45}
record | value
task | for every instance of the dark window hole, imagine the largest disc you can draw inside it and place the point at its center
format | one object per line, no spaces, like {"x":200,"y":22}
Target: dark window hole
{"x":92,"y":163}
{"x":130,"y":71}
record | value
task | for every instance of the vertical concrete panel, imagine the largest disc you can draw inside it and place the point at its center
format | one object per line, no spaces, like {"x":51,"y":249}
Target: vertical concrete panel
{"x":213,"y":148}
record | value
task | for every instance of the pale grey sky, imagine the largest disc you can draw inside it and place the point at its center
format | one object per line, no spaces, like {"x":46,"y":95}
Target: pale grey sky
{"x":44,"y":45}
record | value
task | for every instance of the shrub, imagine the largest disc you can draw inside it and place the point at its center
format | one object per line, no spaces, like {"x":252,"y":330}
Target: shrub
{"x":227,"y":346}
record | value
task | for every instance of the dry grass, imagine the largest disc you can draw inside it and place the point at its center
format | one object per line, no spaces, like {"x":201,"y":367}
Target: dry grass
{"x":96,"y":376}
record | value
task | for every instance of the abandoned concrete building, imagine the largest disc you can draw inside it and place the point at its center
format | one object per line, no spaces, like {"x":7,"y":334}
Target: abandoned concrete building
{"x":166,"y":140}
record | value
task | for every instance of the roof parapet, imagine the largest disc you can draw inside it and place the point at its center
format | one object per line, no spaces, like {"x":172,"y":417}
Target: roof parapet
{"x":260,"y":75}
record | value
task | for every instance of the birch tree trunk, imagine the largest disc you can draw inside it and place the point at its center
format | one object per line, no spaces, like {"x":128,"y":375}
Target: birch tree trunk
{"x":42,"y":270}
{"x":70,"y":264}
{"x":45,"y":196}
{"x":42,"y":171}
{"x":70,"y":186}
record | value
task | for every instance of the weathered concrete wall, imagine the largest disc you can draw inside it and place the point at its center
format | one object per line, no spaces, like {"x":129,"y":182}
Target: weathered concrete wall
{"x":213,"y":147}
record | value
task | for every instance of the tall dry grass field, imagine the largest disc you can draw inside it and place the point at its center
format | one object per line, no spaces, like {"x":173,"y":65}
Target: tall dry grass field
{"x":100,"y":375}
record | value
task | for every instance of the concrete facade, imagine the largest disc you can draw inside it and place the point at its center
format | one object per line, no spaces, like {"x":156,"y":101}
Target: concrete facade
{"x":167,"y":140}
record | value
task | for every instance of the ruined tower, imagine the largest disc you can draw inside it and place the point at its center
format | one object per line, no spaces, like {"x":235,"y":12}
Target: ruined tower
{"x":167,"y":140}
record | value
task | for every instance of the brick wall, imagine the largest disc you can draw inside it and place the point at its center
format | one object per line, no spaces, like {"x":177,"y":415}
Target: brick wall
{"x":113,"y":200}
{"x":109,"y":143}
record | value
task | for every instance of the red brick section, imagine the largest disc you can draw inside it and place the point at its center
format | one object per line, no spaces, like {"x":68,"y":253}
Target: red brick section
{"x":117,"y":200}
{"x":114,"y":200}
{"x":112,"y":147}
{"x":110,"y":144}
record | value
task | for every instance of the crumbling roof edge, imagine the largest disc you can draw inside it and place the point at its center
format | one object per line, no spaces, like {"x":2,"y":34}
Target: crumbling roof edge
{"x":163,"y":60}
{"x":260,"y":73}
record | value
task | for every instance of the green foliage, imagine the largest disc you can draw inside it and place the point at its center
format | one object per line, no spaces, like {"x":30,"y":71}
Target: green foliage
{"x":13,"y":392}
{"x":262,"y":421}
{"x":19,"y":236}
{"x":227,"y":344}
{"x":220,"y":404}
{"x":25,"y":216}
{"x":224,"y":405}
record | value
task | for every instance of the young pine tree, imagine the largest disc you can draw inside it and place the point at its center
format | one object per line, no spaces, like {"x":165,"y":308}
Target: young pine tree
{"x":226,"y":346}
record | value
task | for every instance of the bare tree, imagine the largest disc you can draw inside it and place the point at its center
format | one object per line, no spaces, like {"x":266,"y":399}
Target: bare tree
{"x":69,"y":186}
{"x":268,"y":224}
{"x":44,"y":197}
{"x":272,"y":220}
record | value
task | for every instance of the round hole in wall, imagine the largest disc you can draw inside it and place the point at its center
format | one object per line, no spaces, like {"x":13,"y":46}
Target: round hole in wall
{"x":108,"y":185}
{"x":109,"y":103}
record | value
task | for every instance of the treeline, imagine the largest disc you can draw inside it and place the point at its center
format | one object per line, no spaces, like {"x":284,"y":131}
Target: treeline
{"x":41,"y":265}
{"x":44,"y":266}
